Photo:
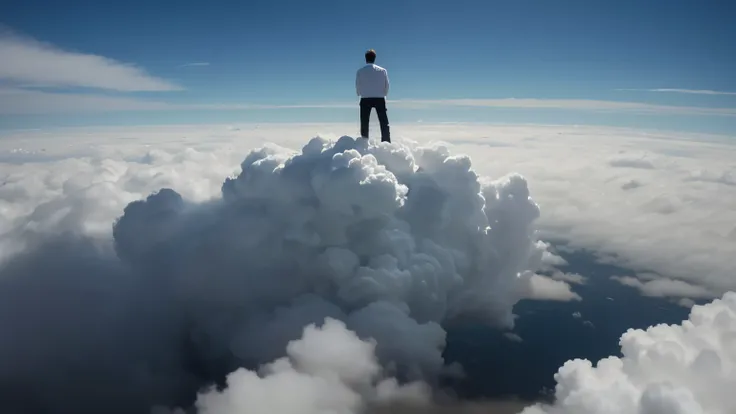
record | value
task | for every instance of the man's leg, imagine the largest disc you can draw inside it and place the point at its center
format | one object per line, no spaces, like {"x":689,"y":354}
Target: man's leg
{"x":365,"y":116}
{"x":381,"y":111}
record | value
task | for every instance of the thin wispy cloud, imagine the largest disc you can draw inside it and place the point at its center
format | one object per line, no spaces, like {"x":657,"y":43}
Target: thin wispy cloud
{"x":687,"y":91}
{"x":187,"y":65}
{"x":28,"y":61}
{"x":568,"y":104}
{"x":15,"y":101}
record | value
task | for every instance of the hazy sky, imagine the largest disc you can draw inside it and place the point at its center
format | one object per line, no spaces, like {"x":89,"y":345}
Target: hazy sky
{"x":154,"y":62}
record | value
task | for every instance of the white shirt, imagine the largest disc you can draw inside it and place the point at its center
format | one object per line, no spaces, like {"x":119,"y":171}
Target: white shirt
{"x":371,"y":81}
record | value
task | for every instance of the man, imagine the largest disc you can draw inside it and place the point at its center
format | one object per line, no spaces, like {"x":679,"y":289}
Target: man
{"x":371,"y":85}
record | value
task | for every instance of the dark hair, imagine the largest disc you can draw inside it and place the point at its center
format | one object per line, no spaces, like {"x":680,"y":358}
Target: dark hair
{"x":370,"y":56}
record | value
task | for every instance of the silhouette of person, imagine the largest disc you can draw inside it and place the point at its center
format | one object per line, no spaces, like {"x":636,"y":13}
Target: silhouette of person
{"x":371,"y":85}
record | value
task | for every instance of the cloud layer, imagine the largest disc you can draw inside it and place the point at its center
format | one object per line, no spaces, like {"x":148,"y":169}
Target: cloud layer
{"x":222,"y":282}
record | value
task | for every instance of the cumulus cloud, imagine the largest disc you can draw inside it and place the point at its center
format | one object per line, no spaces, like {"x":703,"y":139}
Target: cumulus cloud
{"x":330,"y":369}
{"x":28,"y":61}
{"x":546,"y":288}
{"x":202,"y":285}
{"x":688,"y":368}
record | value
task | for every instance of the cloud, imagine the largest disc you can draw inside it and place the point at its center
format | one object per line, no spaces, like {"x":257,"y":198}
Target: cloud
{"x":194,"y":321}
{"x":15,"y":100}
{"x":675,"y":226}
{"x":727,"y":177}
{"x":628,"y":160}
{"x":569,"y":277}
{"x":330,"y":369}
{"x":686,"y":91}
{"x":687,"y":368}
{"x":146,"y":277}
{"x":566,"y":104}
{"x":187,"y":65}
{"x":662,"y":287}
{"x":27,"y":61}
{"x":513,"y":337}
{"x":546,"y":288}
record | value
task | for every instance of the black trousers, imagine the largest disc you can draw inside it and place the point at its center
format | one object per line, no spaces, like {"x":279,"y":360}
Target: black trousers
{"x":366,"y":105}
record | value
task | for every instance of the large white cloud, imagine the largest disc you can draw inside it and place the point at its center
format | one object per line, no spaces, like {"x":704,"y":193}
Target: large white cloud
{"x":688,"y":368}
{"x":330,"y":369}
{"x":199,"y":277}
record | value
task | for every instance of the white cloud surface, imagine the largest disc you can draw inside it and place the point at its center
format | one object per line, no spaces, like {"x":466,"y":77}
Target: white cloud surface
{"x":329,"y":370}
{"x":679,"y":369}
{"x":27,"y":61}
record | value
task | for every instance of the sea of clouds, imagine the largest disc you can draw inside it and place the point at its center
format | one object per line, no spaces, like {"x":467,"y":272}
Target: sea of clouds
{"x":226,"y":276}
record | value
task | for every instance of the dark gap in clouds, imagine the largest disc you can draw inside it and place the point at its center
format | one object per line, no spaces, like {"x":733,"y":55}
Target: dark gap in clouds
{"x":497,"y":367}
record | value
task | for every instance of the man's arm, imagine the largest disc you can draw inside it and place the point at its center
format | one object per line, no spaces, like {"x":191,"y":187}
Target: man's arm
{"x":357,"y":83}
{"x":386,"y":84}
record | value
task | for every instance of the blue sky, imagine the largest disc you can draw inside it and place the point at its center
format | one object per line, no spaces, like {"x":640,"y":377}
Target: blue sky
{"x":569,"y":61}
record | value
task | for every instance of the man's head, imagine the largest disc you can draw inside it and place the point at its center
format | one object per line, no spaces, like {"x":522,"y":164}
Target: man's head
{"x":370,"y":56}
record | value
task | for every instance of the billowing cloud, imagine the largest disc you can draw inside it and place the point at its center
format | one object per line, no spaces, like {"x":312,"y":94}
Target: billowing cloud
{"x":30,"y":62}
{"x":329,"y":369}
{"x":688,"y":368}
{"x":546,"y":288}
{"x":204,"y":286}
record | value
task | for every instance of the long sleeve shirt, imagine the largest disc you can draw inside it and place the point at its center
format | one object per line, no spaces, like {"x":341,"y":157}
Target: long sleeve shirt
{"x":371,"y":81}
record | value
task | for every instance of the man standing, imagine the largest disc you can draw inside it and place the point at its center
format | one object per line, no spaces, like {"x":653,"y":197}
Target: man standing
{"x":371,"y":84}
